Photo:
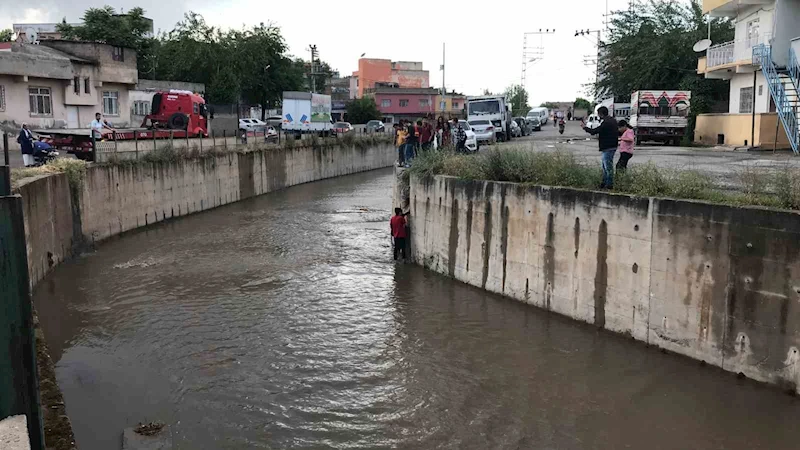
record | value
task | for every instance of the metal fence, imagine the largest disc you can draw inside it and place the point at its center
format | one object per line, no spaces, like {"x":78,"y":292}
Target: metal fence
{"x":233,"y":141}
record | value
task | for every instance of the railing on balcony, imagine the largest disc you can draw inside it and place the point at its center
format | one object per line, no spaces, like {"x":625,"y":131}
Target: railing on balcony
{"x":735,"y":51}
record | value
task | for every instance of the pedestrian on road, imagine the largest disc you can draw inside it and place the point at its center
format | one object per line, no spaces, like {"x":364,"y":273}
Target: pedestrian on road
{"x":397,"y":226}
{"x":25,"y":140}
{"x":98,"y":125}
{"x":569,"y":115}
{"x":401,"y":136}
{"x":608,"y":134}
{"x":427,"y":136}
{"x":626,"y":142}
{"x":460,"y":137}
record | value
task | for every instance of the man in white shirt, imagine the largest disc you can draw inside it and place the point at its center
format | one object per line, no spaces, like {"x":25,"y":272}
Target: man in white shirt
{"x":98,"y":124}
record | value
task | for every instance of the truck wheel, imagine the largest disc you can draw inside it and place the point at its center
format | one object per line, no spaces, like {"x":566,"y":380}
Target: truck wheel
{"x":177,"y":121}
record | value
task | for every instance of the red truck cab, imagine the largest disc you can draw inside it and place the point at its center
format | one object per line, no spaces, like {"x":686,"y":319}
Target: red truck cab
{"x":178,"y":110}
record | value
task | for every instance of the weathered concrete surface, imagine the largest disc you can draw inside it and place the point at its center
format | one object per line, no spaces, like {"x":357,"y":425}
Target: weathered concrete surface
{"x":133,"y":441}
{"x":48,"y":222}
{"x":14,"y":433}
{"x":711,"y":282}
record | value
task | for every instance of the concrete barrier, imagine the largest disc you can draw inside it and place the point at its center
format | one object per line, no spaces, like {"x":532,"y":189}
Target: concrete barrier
{"x":716,"y":283}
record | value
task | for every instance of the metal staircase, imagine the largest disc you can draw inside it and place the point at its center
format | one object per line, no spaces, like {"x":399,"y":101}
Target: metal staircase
{"x":782,"y":83}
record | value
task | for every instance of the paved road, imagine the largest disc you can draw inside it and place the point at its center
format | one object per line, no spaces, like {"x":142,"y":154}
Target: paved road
{"x":723,"y":164}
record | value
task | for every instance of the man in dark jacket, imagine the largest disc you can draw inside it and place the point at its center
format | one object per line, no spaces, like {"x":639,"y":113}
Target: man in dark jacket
{"x":608,"y":134}
{"x":25,"y":140}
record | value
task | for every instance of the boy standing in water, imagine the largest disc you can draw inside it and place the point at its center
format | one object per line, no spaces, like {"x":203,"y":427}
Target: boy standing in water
{"x":397,"y":226}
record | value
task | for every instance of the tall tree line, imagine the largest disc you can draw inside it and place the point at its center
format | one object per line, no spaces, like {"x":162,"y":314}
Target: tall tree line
{"x":250,"y":65}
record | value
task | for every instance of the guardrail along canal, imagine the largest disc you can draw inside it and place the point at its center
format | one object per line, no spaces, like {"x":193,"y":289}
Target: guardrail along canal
{"x":281,"y":322}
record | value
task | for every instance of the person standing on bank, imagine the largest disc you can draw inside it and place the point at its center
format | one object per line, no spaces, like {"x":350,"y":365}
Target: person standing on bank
{"x":608,"y":133}
{"x":98,"y":125}
{"x":397,"y":226}
{"x":25,"y":140}
{"x":626,"y":142}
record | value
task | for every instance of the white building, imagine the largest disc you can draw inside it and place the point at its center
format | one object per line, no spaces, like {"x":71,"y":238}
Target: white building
{"x":751,"y":117}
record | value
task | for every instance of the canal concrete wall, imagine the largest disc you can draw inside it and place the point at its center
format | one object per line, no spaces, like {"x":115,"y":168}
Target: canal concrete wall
{"x":716,"y":283}
{"x":61,"y":218}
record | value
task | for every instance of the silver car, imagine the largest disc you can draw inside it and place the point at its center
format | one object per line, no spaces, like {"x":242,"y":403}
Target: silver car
{"x":484,"y":130}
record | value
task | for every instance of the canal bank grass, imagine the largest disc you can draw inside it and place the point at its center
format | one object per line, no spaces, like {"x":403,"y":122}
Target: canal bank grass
{"x":769,"y":187}
{"x":74,"y":168}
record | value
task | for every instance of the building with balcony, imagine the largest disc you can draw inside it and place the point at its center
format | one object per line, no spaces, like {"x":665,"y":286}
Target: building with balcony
{"x":62,"y":84}
{"x":751,"y":119}
{"x":402,"y":74}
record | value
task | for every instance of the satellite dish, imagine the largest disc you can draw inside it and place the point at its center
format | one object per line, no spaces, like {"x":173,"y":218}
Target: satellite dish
{"x":31,"y":35}
{"x":702,"y":45}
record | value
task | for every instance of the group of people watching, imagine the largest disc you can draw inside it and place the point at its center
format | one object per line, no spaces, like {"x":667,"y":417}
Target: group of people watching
{"x":411,"y":137}
{"x":612,"y":136}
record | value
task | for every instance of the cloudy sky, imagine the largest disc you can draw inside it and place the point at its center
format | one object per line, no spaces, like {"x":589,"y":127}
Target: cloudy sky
{"x":484,"y":39}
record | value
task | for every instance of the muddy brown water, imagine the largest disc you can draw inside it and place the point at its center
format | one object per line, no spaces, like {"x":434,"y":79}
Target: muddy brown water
{"x":280,"y":322}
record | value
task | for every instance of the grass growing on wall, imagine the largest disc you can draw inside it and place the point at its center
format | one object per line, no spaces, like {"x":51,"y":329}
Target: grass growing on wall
{"x":74,"y":168}
{"x":778,"y":188}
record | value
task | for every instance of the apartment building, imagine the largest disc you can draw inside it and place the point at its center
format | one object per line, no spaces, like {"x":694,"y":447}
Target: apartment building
{"x":374,"y":73}
{"x":752,"y":118}
{"x":62,"y":84}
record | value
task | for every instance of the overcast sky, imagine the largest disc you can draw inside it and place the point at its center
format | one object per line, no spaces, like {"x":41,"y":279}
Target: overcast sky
{"x":484,"y":39}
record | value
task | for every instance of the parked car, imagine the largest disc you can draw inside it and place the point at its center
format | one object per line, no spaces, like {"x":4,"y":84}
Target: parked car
{"x":342,"y":127}
{"x":275,"y":121}
{"x":375,"y":126}
{"x":534,"y":123}
{"x":251,"y":125}
{"x":271,"y":134}
{"x":472,"y":140}
{"x":516,"y":131}
{"x":484,"y":131}
{"x":524,"y":124}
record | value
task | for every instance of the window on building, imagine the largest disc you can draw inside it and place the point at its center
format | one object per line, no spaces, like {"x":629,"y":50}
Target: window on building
{"x":760,"y":90}
{"x":752,"y":32}
{"x":424,"y":103}
{"x":76,"y":85}
{"x":386,"y":103}
{"x":2,"y":98}
{"x":87,"y":86}
{"x":118,"y":54}
{"x":746,"y":100}
{"x":111,"y":103}
{"x":403,"y":103}
{"x":141,"y":108}
{"x":41,"y":103}
{"x":456,"y":105}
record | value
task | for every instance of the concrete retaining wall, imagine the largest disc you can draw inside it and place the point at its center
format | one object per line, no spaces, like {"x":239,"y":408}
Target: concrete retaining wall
{"x":715,"y":283}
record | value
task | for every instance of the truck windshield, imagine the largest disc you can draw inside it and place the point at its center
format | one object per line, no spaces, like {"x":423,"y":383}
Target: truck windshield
{"x":484,"y":107}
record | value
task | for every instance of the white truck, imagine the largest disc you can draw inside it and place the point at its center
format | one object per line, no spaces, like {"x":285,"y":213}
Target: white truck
{"x":494,"y":108}
{"x":306,"y":112}
{"x":660,"y":115}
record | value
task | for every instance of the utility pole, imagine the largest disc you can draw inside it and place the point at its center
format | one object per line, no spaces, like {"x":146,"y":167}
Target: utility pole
{"x":598,"y":44}
{"x":532,"y":54}
{"x":313,"y":72}
{"x":444,"y":89}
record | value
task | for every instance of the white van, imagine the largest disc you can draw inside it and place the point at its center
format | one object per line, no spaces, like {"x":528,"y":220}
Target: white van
{"x":540,"y":113}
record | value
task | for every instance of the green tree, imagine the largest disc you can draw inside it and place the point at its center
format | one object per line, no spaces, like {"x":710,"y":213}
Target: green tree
{"x":650,"y":47}
{"x":6,"y":35}
{"x":130,"y":30}
{"x":582,"y":103}
{"x":518,"y":97}
{"x":362,"y":110}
